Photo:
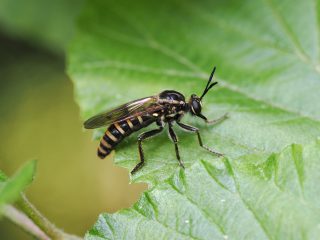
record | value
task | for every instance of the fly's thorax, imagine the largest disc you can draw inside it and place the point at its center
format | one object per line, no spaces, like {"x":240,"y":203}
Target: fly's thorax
{"x":173,"y":112}
{"x":171,"y":95}
{"x":174,"y":105}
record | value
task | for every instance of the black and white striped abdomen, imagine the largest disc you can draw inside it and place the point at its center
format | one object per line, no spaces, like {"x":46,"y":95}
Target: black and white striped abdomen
{"x":117,"y":131}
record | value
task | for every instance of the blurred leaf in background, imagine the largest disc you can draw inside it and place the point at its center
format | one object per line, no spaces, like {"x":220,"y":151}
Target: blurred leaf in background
{"x":41,"y":22}
{"x":39,"y":119}
{"x":10,"y":188}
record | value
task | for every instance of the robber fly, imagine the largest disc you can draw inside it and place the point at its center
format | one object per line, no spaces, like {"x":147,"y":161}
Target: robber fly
{"x":166,"y":108}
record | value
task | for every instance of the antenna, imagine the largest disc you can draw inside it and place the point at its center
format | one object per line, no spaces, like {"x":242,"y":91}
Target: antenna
{"x":209,"y":86}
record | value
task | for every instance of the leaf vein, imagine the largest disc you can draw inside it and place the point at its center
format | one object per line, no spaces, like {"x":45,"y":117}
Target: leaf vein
{"x":162,"y":224}
{"x":297,"y":156}
{"x":203,"y":212}
{"x":288,"y":31}
{"x":226,"y":26}
{"x":250,"y":209}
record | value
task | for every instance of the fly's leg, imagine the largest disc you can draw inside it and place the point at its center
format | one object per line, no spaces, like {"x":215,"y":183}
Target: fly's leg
{"x":215,"y":121}
{"x":174,"y":138}
{"x":196,"y":130}
{"x":144,"y":136}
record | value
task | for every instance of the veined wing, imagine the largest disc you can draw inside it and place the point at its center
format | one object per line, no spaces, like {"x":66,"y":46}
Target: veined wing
{"x":136,"y":107}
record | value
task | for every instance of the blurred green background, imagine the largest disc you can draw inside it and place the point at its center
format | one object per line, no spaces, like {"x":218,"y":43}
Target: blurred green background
{"x":40,"y":120}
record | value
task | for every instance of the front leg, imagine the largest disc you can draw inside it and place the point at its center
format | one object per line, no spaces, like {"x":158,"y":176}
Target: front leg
{"x":196,"y":130}
{"x":214,"y":121}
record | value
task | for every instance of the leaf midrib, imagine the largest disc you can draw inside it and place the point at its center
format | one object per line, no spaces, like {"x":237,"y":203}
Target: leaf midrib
{"x":199,"y":74}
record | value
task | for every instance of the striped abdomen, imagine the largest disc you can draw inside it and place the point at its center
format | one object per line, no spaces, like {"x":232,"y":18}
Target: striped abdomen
{"x":117,"y":131}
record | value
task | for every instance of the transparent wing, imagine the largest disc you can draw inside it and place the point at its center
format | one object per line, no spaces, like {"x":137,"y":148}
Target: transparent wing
{"x":137,"y":107}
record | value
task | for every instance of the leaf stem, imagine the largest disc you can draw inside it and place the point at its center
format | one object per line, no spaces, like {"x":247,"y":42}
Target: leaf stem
{"x":20,"y":219}
{"x":43,"y":223}
{"x":34,"y":214}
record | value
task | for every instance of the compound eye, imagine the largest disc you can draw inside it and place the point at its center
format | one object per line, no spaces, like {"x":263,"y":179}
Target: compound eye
{"x":196,"y":107}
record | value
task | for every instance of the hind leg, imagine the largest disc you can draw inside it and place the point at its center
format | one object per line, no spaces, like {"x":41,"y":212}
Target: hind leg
{"x":141,"y":138}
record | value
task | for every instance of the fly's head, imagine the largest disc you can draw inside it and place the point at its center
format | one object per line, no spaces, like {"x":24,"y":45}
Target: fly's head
{"x":195,"y":105}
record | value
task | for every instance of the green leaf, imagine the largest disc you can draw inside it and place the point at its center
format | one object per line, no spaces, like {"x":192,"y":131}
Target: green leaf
{"x":11,"y":188}
{"x":48,"y":23}
{"x":253,"y":197}
{"x":267,"y":57}
{"x":3,"y":177}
